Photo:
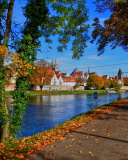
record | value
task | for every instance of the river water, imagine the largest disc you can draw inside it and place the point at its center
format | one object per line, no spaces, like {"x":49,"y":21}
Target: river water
{"x":45,"y":112}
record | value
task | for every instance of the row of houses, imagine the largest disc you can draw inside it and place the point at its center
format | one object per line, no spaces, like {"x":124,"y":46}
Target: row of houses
{"x":64,"y":81}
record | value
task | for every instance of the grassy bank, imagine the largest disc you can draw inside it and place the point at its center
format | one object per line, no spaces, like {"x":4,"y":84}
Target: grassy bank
{"x":22,"y":148}
{"x":65,"y":92}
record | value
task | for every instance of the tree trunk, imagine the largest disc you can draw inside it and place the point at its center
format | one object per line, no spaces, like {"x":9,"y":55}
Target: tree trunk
{"x":9,"y":22}
{"x":5,"y":130}
{"x":5,"y":113}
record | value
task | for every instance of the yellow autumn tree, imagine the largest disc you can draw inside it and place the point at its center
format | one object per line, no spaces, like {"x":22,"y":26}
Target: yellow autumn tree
{"x":107,"y":83}
{"x":10,"y":65}
{"x":95,"y":81}
{"x":42,"y":74}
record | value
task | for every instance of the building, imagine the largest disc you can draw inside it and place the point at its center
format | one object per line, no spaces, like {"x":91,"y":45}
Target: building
{"x":120,"y":77}
{"x":76,"y":73}
{"x":105,"y":77}
{"x":67,"y":81}
{"x":86,"y":75}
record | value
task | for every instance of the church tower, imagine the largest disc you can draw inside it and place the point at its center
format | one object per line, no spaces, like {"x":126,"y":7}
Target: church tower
{"x":55,"y":65}
{"x":120,"y":76}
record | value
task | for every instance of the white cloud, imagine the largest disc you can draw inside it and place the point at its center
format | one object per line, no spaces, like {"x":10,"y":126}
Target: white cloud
{"x":95,"y":57}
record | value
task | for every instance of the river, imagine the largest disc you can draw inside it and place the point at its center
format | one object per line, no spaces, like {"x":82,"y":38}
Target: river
{"x":45,"y":112}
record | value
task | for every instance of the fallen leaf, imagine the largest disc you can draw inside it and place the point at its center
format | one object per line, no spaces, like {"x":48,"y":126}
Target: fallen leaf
{"x":62,"y":138}
{"x":51,"y":153}
{"x":45,"y":156}
{"x":89,"y":152}
{"x":80,"y":151}
{"x":52,"y":146}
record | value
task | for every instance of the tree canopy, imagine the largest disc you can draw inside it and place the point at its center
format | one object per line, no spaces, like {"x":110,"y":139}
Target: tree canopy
{"x":95,"y":81}
{"x":42,"y":74}
{"x":50,"y":17}
{"x":114,"y":31}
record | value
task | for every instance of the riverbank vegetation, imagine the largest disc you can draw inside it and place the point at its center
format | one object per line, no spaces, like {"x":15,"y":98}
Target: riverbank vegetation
{"x":20,"y":149}
{"x":66,"y":92}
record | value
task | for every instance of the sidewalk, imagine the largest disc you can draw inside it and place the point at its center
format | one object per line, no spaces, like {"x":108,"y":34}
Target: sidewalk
{"x":105,"y":138}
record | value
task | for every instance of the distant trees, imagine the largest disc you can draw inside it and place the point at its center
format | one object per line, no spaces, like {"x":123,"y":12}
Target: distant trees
{"x":107,"y":83}
{"x":79,"y":81}
{"x":115,"y":84}
{"x":95,"y":81}
{"x":126,"y":83}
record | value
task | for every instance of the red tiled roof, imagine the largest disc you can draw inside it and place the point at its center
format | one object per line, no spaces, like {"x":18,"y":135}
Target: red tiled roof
{"x":57,"y":72}
{"x":68,"y":79}
{"x":64,"y":74}
{"x":76,"y":74}
{"x":104,"y":76}
{"x":114,"y":78}
{"x":125,"y":79}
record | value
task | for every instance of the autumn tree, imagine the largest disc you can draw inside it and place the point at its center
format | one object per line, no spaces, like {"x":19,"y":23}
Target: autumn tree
{"x":42,"y":74}
{"x":14,"y":67}
{"x":126,"y":83}
{"x":79,"y":81}
{"x":115,"y":84}
{"x":114,"y":31}
{"x":43,"y":18}
{"x":95,"y":81}
{"x":107,"y":83}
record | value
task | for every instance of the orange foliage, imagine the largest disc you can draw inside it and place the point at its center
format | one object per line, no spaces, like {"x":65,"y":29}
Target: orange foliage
{"x":95,"y":81}
{"x":14,"y":64}
{"x":114,"y":31}
{"x":41,"y":76}
{"x":3,"y":50}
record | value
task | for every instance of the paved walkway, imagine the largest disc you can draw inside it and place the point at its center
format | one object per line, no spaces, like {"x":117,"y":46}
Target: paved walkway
{"x":105,"y":138}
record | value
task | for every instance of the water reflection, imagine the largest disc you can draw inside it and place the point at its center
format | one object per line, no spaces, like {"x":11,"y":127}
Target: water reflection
{"x":44,"y":112}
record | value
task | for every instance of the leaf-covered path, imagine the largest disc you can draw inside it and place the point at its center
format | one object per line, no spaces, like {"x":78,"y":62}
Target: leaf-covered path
{"x":105,"y":138}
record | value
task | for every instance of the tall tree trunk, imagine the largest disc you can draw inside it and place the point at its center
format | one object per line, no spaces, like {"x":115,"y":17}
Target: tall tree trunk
{"x":3,"y":105}
{"x":5,"y":128}
{"x":9,"y":22}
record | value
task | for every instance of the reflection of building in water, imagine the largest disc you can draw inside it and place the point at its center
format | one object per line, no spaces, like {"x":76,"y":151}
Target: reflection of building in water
{"x":35,"y":100}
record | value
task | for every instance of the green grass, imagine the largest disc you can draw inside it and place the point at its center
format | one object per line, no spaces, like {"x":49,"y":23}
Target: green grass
{"x":65,"y":92}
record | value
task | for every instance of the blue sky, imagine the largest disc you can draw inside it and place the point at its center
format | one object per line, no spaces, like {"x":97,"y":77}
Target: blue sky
{"x":109,"y":62}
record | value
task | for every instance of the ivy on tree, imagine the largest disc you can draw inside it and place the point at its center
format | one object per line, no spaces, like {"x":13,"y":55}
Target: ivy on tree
{"x":44,"y":18}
